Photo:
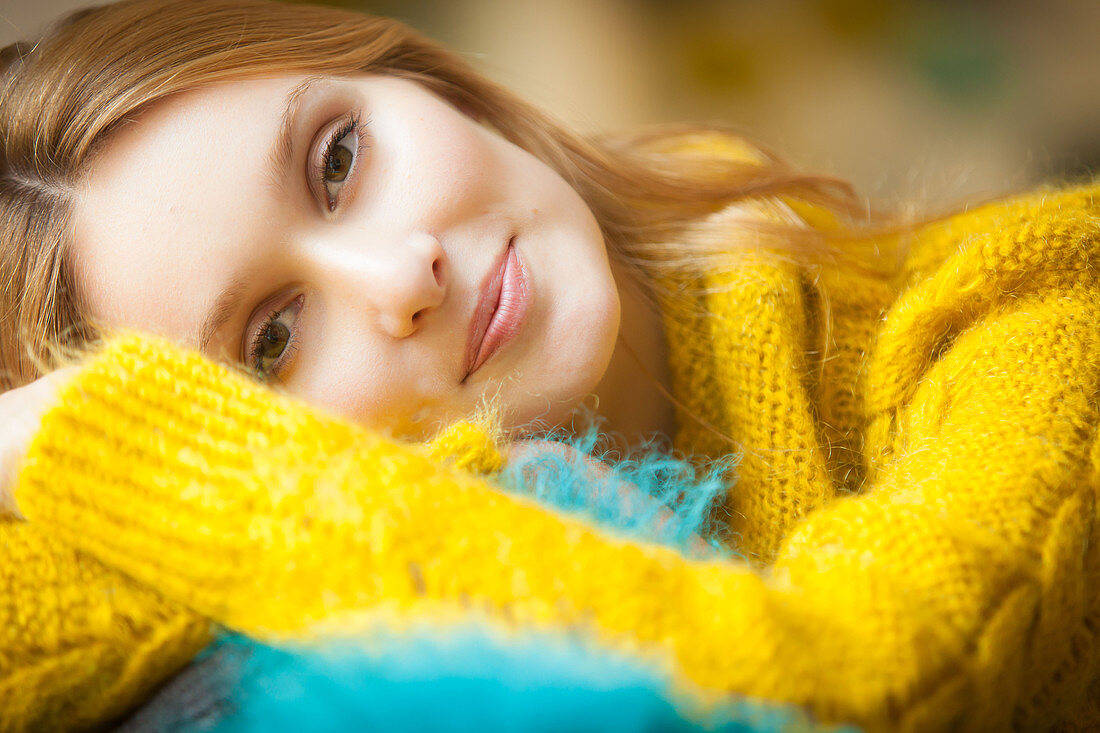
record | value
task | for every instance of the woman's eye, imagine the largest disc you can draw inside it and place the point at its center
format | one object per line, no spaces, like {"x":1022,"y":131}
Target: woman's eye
{"x":339,"y":160}
{"x":273,"y":343}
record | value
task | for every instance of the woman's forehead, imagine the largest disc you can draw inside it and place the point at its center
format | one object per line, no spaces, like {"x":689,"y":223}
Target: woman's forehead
{"x":171,"y":198}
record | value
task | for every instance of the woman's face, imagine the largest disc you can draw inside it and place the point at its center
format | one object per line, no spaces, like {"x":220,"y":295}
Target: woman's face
{"x":349,"y":238}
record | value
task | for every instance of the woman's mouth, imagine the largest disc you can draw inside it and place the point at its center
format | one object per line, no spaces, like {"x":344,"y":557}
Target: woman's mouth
{"x":500,"y":312}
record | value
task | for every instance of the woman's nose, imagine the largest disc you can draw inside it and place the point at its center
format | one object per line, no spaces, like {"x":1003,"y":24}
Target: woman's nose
{"x":401,"y":280}
{"x":414,"y":286}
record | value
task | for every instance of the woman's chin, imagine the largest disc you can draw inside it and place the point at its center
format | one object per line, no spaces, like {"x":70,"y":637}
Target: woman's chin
{"x":542,"y":417}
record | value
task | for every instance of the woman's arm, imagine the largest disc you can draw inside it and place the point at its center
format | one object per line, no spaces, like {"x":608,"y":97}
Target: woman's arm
{"x":20,"y":413}
{"x":85,"y":642}
{"x":217,"y":492}
{"x":921,"y":605}
{"x":81,"y":643}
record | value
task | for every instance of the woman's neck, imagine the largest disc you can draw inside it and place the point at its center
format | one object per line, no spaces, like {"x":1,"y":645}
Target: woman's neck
{"x":632,"y":391}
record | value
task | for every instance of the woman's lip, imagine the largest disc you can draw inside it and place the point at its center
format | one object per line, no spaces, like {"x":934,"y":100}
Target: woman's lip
{"x":500,"y":311}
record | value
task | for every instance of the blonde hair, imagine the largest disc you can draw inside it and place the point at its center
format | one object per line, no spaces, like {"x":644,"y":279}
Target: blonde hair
{"x":61,"y":98}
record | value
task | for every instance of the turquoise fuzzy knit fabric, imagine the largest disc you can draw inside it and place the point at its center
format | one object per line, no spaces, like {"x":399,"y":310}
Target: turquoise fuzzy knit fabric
{"x":693,"y":495}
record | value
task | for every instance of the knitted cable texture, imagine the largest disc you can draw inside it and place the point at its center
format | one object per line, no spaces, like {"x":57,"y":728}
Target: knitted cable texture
{"x":917,"y":500}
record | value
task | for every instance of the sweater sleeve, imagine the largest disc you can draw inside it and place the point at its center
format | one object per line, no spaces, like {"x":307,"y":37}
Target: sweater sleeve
{"x":268,"y":516}
{"x":81,"y":643}
{"x":953,"y":594}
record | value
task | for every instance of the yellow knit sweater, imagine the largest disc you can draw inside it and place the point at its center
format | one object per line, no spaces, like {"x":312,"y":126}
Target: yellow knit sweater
{"x":917,"y":502}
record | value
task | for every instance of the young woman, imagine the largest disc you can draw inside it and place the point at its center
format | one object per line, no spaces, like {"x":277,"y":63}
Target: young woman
{"x":205,"y":197}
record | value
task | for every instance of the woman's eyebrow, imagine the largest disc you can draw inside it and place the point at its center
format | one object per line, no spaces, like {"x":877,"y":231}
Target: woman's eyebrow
{"x":225,"y":305}
{"x":282,"y":151}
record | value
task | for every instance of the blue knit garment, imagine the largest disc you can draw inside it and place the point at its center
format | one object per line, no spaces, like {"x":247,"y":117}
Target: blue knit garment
{"x":693,"y":495}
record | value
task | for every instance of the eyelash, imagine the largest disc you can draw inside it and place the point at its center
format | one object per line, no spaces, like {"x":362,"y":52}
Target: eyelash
{"x":355,"y":124}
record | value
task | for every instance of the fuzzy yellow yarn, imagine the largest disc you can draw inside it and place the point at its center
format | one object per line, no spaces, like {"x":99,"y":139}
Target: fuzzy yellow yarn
{"x":917,"y":502}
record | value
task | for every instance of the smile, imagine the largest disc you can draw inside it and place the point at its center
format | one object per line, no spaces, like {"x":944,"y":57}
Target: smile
{"x":501,"y":311}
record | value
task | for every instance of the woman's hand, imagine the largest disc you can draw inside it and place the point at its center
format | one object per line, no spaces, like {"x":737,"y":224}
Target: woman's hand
{"x":21,"y":413}
{"x":634,"y":500}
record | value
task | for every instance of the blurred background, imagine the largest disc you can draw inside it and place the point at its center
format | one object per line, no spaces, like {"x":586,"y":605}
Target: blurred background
{"x":920,"y":100}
